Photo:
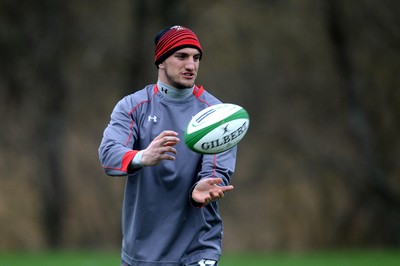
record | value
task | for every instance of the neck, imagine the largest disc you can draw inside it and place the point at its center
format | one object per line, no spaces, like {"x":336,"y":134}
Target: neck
{"x":172,"y":92}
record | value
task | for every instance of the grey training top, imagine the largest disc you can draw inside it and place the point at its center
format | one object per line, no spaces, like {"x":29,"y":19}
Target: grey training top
{"x":161,"y":225}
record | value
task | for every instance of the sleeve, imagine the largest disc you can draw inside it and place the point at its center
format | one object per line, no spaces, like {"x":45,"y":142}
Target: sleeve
{"x":221,"y":165}
{"x":115,"y":151}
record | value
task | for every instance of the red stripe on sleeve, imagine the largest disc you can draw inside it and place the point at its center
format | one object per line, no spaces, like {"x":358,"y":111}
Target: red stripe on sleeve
{"x":215,"y":166}
{"x":127,"y":159}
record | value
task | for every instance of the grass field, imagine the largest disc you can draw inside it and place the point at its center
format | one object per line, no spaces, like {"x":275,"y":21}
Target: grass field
{"x":328,"y":258}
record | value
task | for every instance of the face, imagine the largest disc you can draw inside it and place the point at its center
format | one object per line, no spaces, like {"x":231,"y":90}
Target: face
{"x":180,"y":69}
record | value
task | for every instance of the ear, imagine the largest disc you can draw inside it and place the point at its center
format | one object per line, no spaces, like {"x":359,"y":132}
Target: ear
{"x":161,"y":65}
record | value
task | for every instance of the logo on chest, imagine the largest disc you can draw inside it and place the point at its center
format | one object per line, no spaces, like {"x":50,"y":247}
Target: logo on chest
{"x":153,"y":118}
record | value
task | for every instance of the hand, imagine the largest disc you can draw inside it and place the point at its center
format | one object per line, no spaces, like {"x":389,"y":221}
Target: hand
{"x":207,"y":190}
{"x":160,"y":148}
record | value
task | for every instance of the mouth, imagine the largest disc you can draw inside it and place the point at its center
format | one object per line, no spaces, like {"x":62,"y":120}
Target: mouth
{"x":188,"y":75}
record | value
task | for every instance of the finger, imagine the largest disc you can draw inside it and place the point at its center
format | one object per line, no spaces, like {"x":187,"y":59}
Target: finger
{"x":219,"y":192}
{"x":216,"y":181}
{"x":227,"y":188}
{"x":167,"y":157}
{"x":216,"y":194}
{"x":168,"y":149}
{"x":170,"y":141}
{"x":166,"y":133}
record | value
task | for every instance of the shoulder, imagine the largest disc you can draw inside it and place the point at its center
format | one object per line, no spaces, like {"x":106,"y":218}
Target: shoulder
{"x":206,"y":97}
{"x":133,"y":101}
{"x":144,"y":94}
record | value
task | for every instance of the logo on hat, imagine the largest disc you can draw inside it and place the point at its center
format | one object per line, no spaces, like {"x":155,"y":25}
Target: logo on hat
{"x":178,"y":27}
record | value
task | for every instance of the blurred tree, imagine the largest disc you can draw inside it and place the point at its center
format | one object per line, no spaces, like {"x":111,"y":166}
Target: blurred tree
{"x":372,"y":190}
{"x":149,"y":17}
{"x":35,"y":91}
{"x":319,"y":166}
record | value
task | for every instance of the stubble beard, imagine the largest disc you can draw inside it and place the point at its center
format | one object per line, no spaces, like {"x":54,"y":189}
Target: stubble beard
{"x":179,"y":84}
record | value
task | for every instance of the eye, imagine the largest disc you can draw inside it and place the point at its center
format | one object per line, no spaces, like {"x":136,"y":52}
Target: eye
{"x":179,"y":56}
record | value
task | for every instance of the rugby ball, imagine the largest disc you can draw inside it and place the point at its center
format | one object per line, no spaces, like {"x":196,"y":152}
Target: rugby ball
{"x":217,"y":128}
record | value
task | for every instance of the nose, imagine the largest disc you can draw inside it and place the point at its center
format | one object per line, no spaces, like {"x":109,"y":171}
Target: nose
{"x":191,"y":63}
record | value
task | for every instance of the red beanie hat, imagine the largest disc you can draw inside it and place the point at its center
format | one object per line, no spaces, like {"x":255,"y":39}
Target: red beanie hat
{"x":171,"y":39}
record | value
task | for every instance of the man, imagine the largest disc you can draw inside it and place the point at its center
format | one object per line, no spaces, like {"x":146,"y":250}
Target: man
{"x":170,"y":214}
